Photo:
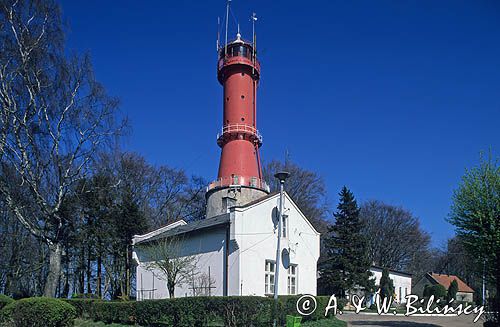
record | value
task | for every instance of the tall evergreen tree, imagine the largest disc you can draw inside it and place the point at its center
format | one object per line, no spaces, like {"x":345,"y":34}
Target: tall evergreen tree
{"x":386,"y":285}
{"x":347,"y":264}
{"x":452,"y":291}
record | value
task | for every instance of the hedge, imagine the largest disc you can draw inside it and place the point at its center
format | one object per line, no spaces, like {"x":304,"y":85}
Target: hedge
{"x":197,"y":311}
{"x":39,"y":312}
{"x":4,"y":300}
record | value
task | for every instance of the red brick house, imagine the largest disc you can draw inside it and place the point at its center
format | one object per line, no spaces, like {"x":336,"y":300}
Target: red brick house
{"x":465,"y":292}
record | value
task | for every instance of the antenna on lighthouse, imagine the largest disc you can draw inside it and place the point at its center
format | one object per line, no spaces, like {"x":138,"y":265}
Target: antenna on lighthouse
{"x":254,"y":40}
{"x":218,"y":33}
{"x":227,"y":20}
{"x":254,"y":19}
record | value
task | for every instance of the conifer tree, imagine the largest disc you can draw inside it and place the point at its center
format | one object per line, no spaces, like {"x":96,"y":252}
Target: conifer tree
{"x":346,"y":265}
{"x":386,"y":285}
{"x":452,"y":291}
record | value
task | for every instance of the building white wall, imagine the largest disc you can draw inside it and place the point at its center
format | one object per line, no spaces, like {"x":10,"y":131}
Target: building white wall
{"x":252,"y":241}
{"x":402,"y":283}
{"x":256,"y":236}
{"x":207,"y":245}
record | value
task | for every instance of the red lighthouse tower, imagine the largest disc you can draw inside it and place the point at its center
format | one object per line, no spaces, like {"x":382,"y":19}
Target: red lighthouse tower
{"x":240,"y":174}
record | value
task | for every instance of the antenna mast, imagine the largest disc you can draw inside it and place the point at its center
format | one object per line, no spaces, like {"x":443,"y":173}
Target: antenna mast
{"x":218,"y":33}
{"x":254,"y":41}
{"x":227,"y":19}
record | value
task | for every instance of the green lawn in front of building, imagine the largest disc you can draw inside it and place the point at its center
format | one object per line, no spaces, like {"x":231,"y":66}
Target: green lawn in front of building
{"x":90,"y":323}
{"x":331,"y":322}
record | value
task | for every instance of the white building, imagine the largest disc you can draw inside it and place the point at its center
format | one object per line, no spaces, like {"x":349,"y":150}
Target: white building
{"x":401,"y":280}
{"x":238,"y":250}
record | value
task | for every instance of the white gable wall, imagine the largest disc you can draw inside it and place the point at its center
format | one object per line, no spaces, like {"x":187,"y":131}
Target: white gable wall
{"x":256,"y":236}
{"x":402,"y":283}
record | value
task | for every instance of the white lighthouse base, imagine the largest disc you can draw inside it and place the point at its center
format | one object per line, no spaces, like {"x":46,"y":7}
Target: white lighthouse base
{"x":219,"y":200}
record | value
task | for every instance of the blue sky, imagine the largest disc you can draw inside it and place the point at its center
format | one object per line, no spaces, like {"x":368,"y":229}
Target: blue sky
{"x":392,"y":98}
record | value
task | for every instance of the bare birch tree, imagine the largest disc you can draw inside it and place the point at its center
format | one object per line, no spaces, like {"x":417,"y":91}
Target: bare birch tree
{"x":166,"y":256}
{"x":54,"y":116}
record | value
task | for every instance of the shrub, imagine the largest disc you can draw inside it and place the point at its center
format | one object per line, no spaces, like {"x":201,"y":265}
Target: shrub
{"x":4,"y":300}
{"x":84,"y":296}
{"x":492,"y":315}
{"x":114,"y":311}
{"x":288,"y":306}
{"x":197,"y":311}
{"x":83,"y":307}
{"x":40,"y":312}
{"x":437,"y":290}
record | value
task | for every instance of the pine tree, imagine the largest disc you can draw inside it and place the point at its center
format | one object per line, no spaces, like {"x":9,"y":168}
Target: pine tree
{"x":452,"y":291}
{"x":347,"y":264}
{"x":386,"y":285}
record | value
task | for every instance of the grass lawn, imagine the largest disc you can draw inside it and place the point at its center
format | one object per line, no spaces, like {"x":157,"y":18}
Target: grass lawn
{"x":90,"y":323}
{"x":331,"y":322}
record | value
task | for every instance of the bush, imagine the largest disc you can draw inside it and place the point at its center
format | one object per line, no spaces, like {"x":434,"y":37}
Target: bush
{"x":83,"y":307}
{"x":120,"y":311}
{"x":4,"y":300}
{"x":288,"y":306}
{"x":492,"y":316}
{"x":197,"y":311}
{"x":84,"y":296}
{"x":40,"y":312}
{"x":437,"y":290}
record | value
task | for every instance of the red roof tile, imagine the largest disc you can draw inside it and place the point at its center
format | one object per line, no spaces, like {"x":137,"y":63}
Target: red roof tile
{"x":446,"y":280}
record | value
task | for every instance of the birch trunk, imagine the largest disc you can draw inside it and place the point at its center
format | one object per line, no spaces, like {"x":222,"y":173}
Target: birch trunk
{"x":55,"y":254}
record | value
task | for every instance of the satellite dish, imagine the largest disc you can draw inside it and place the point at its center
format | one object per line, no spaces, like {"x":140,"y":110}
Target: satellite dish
{"x":285,"y":258}
{"x":274,"y":217}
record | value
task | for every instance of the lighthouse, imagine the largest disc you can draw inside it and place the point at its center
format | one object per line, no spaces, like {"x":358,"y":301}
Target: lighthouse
{"x":239,"y":179}
{"x":242,"y":244}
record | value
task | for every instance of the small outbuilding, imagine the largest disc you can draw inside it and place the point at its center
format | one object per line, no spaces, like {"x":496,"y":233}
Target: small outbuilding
{"x":465,"y":292}
{"x":400,"y":279}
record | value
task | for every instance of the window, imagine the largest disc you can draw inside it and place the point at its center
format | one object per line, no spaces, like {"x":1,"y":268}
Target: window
{"x":292,"y":280}
{"x":269,"y":283}
{"x":284,"y":225}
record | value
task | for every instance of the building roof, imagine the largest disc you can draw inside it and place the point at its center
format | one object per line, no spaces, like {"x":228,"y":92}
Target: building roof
{"x":187,"y":228}
{"x":446,"y":280}
{"x":391,"y":270}
{"x":265,"y":197}
{"x":276,"y":194}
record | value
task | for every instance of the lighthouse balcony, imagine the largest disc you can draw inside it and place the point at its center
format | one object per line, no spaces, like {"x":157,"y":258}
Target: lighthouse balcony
{"x":238,"y":181}
{"x":233,"y":130}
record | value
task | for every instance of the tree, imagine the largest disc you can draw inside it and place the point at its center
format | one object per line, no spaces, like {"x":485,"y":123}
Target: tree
{"x":346,"y":265}
{"x":54,"y":115}
{"x":452,"y":291}
{"x":455,"y":260}
{"x":438,"y":290}
{"x":386,"y":285}
{"x":129,"y":221}
{"x":475,"y":213}
{"x":166,"y":255}
{"x":305,"y":187}
{"x":395,"y":237}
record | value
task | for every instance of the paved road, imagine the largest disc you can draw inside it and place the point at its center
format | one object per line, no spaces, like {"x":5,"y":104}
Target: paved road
{"x":361,"y":320}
